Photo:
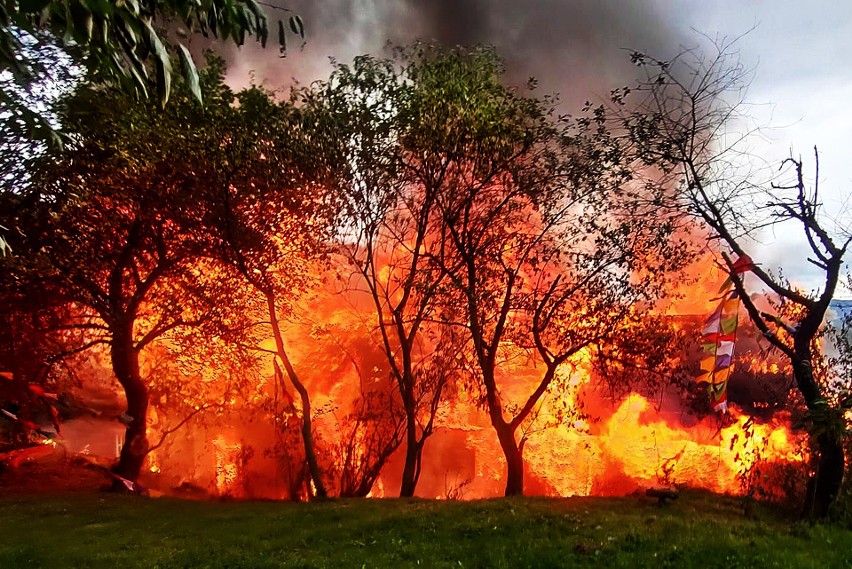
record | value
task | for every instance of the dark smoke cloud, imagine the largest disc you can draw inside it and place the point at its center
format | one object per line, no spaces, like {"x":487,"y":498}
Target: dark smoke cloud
{"x":576,"y":48}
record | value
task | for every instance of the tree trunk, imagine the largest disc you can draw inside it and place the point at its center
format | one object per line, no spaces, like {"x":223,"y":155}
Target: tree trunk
{"x":125,"y":365}
{"x":514,"y":460}
{"x":505,"y":434}
{"x":307,"y":429}
{"x":824,"y":485}
{"x":410,"y":470}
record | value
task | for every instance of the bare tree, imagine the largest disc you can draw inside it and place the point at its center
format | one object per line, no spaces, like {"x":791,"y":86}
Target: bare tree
{"x":689,"y":124}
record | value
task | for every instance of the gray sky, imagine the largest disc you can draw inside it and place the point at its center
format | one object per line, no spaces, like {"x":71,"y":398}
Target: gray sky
{"x":800,"y":52}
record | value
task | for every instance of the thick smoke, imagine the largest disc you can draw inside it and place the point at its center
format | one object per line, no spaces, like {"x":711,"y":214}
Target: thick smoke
{"x":576,"y":48}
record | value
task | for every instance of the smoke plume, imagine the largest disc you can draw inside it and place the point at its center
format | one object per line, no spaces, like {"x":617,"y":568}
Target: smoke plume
{"x":576,"y":48}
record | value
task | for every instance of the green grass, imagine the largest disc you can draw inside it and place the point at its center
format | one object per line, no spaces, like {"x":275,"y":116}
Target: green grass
{"x":698,"y":530}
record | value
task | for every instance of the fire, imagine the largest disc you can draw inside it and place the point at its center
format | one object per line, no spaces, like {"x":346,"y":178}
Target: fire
{"x":651,"y":451}
{"x":245,"y":443}
{"x":154,"y":463}
{"x":227,"y":471}
{"x":636,"y":447}
{"x":569,"y":450}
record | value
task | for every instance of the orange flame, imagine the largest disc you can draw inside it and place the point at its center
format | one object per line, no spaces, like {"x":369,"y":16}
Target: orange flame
{"x":227,"y":471}
{"x":569,"y":450}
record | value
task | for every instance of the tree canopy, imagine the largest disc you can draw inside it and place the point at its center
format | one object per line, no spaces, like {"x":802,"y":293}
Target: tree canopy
{"x":131,"y":44}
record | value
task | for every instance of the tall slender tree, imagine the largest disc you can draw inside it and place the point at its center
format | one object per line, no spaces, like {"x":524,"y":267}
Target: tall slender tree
{"x":478,"y":208}
{"x":272,"y":209}
{"x":372,"y":114}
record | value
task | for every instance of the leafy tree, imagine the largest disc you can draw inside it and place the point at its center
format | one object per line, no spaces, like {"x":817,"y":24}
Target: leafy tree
{"x":111,"y":226}
{"x":523,"y":230}
{"x":688,"y":124}
{"x":119,"y":41}
{"x":271,"y":212}
{"x":28,"y":122}
{"x":43,"y":42}
{"x":372,"y":115}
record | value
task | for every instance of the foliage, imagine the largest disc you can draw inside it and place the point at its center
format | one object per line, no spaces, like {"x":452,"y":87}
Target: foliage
{"x":837,"y":372}
{"x":271,"y":211}
{"x":370,"y":114}
{"x":839,"y":383}
{"x":198,"y":377}
{"x":480,"y":216}
{"x":111,"y":219}
{"x":645,"y":354}
{"x":27,"y":119}
{"x":766,"y":480}
{"x":118,"y":42}
{"x":546,"y":249}
{"x":112,"y":225}
{"x":842,"y":509}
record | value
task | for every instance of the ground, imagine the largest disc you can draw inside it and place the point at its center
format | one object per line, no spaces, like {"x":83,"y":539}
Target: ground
{"x":75,"y":525}
{"x":49,"y":469}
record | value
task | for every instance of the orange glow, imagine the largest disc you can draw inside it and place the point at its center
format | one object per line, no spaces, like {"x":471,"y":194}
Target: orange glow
{"x":634,"y":448}
{"x":578,"y":442}
{"x":227,"y":471}
{"x":153,"y":463}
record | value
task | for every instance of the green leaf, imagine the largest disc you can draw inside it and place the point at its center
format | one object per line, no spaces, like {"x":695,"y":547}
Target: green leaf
{"x":190,"y":72}
{"x":259,"y":17}
{"x":5,"y":249}
{"x":164,"y":80}
{"x":213,"y":20}
{"x":104,"y":28}
{"x":297,"y":26}
{"x":162,"y":63}
{"x":138,"y":81}
{"x":282,"y":37}
{"x":88,"y":24}
{"x":263,"y":36}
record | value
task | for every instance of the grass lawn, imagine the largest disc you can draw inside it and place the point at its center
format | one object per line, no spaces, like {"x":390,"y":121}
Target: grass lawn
{"x":124,"y":532}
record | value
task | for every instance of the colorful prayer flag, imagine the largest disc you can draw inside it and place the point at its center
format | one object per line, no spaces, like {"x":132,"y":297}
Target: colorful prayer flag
{"x":718,"y":339}
{"x":741,"y":265}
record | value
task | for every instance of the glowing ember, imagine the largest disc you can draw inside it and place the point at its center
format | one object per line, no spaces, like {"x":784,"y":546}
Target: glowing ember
{"x":153,"y":463}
